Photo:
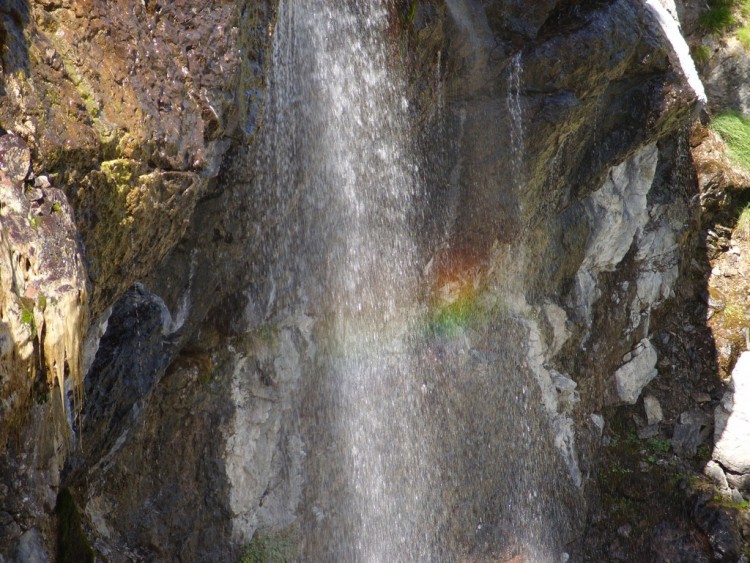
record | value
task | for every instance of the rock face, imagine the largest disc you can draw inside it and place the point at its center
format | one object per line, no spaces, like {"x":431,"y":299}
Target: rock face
{"x":560,"y":193}
{"x":119,"y":118}
{"x":131,"y":109}
{"x":732,"y":424}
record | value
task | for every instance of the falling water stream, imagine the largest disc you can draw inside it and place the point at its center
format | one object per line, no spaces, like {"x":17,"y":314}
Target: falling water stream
{"x":419,"y":433}
{"x":346,"y":184}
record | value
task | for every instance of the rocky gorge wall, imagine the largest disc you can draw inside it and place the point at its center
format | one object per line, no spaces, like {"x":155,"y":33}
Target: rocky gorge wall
{"x":561,"y":194}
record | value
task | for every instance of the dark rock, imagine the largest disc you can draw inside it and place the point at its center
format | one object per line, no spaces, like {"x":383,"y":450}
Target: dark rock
{"x":131,"y":358}
{"x":693,"y":429}
{"x":719,"y":523}
{"x":676,"y":542}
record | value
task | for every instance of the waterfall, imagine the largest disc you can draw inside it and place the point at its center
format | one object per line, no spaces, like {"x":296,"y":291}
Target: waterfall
{"x":345,"y":183}
{"x":424,"y":430}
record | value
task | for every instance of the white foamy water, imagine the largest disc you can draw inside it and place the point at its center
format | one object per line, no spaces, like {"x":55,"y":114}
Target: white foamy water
{"x":671,"y":29}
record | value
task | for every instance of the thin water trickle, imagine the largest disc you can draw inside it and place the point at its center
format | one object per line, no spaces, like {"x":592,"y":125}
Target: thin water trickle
{"x":516,"y":119}
{"x":671,"y":28}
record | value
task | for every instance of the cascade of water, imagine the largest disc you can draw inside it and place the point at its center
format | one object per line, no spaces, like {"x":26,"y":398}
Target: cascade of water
{"x":422,"y":434}
{"x":345,"y":184}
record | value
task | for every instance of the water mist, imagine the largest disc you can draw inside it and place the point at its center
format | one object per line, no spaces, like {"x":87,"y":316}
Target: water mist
{"x":420,"y":423}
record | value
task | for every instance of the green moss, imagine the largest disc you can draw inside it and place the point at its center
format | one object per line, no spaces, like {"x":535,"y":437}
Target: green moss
{"x":121,"y":173}
{"x":83,"y":87}
{"x":72,"y":544}
{"x":270,"y":548}
{"x":659,"y":446}
{"x":734,"y":128}
{"x":726,"y":503}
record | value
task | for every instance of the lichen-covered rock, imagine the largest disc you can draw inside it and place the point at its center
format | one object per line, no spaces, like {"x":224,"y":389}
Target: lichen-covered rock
{"x":45,"y":306}
{"x":43,"y":319}
{"x":130,"y":109}
{"x":636,"y":372}
{"x":120,"y":117}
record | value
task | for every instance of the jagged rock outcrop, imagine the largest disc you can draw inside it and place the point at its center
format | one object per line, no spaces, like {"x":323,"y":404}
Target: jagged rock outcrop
{"x":128,"y":112}
{"x":560,"y":199}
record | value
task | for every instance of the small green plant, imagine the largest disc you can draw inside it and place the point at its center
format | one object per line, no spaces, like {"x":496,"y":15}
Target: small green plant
{"x":270,"y":548}
{"x":659,"y":446}
{"x":743,"y":34}
{"x":56,"y":208}
{"x":411,"y":11}
{"x":701,"y":54}
{"x":718,"y":18}
{"x":27,"y":318}
{"x":734,"y":128}
{"x":703,"y":452}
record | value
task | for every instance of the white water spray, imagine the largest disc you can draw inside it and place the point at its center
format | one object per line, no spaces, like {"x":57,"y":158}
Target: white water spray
{"x":671,"y":29}
{"x":346,"y":184}
{"x":424,"y":434}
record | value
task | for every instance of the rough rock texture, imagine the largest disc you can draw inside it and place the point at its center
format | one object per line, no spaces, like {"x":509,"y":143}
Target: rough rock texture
{"x":568,"y":218}
{"x":44,"y":308}
{"x":128,"y":112}
{"x":43,"y":319}
{"x":733,"y":425}
{"x":131,"y":109}
{"x":727,"y":74}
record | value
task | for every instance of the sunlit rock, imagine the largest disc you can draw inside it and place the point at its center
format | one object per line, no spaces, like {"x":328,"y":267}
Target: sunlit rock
{"x":732,"y":426}
{"x":637,"y":371}
{"x":653,"y":410}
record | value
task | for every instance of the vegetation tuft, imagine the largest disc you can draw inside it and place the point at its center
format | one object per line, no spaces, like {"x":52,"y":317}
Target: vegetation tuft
{"x":719,"y":17}
{"x":734,"y":128}
{"x":742,"y":227}
{"x":270,"y":548}
{"x":723,"y":15}
{"x":701,"y":54}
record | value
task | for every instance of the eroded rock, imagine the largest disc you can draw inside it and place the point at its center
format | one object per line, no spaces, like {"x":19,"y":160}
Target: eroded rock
{"x":732,"y":425}
{"x":637,"y":371}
